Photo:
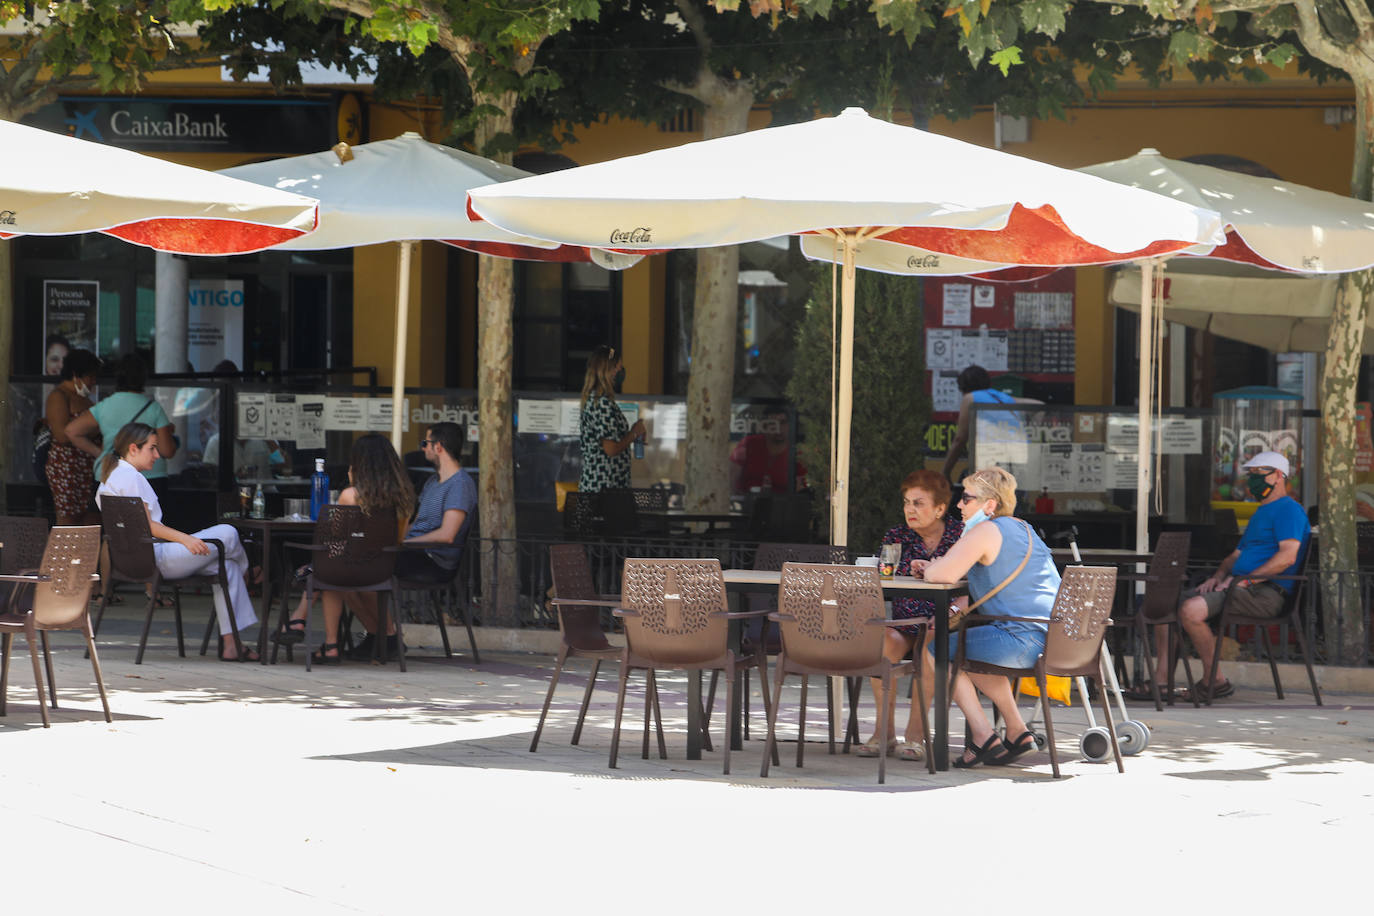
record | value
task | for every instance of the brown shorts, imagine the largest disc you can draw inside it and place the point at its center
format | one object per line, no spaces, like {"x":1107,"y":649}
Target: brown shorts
{"x":1259,"y":600}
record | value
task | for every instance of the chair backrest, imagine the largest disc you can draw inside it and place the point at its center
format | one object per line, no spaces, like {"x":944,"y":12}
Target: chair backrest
{"x":125,"y":522}
{"x":579,"y":510}
{"x":1168,"y":568}
{"x":681,"y":605}
{"x":650,"y":499}
{"x":69,"y":563}
{"x":1078,"y":620}
{"x":1293,"y":597}
{"x":25,"y":538}
{"x":771,"y":555}
{"x":572,"y":578}
{"x":827,"y":609}
{"x":354,"y":546}
{"x":619,"y":512}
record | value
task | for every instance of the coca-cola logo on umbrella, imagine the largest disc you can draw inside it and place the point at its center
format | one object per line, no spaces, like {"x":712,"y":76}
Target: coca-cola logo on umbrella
{"x":7,"y":217}
{"x":640,"y":235}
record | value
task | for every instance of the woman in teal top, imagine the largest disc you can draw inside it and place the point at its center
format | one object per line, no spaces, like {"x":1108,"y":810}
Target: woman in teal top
{"x":993,"y":546}
{"x":107,"y":417}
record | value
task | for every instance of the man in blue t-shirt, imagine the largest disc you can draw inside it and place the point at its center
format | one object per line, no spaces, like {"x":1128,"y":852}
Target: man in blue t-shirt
{"x":1271,"y":547}
{"x":446,"y":504}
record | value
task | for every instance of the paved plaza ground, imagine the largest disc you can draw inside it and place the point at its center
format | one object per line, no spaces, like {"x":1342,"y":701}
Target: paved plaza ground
{"x":227,"y":788}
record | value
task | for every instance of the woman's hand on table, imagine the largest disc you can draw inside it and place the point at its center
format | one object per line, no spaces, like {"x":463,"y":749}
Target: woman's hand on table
{"x":918,"y":568}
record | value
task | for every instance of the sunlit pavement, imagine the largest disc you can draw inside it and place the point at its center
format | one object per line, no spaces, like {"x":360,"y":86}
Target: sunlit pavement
{"x":230,"y":788}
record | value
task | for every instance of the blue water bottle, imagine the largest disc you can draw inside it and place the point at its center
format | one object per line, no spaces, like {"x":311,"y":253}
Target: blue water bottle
{"x":319,"y":490}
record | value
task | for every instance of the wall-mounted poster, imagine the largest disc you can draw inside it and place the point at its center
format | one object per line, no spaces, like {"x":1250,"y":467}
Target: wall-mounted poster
{"x":214,"y":323}
{"x":71,"y":311}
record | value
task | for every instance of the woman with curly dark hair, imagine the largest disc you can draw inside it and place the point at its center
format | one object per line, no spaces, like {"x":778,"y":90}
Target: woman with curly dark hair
{"x":378,"y":483}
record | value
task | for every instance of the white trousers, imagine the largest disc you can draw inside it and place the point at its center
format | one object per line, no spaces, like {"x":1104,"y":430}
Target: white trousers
{"x":176,"y":562}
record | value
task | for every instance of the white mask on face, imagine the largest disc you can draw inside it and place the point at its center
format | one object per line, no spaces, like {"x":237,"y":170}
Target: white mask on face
{"x":975,"y":518}
{"x":81,"y":389}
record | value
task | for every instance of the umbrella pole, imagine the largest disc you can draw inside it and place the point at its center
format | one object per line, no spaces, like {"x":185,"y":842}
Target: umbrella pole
{"x":398,"y":378}
{"x":839,"y":504}
{"x":1143,"y":443}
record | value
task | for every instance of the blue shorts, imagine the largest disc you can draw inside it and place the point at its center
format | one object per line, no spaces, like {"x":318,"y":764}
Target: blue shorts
{"x":999,"y":644}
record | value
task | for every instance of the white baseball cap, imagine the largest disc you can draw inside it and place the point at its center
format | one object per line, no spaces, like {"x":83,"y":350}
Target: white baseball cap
{"x":1269,"y":460}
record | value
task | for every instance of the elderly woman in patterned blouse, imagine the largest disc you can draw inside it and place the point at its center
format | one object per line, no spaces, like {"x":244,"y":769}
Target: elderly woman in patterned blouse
{"x":606,"y":434}
{"x":928,"y":533}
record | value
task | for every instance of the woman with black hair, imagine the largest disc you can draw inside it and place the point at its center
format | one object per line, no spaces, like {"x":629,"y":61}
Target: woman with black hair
{"x":68,"y":467}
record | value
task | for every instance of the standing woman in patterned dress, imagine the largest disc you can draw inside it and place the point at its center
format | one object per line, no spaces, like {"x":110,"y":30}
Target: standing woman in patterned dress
{"x":69,"y":468}
{"x":927,"y":533}
{"x":606,"y":434}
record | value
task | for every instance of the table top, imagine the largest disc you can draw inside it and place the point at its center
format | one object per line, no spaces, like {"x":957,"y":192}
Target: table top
{"x":772,"y":577}
{"x":281,"y":523}
{"x":1116,"y":554}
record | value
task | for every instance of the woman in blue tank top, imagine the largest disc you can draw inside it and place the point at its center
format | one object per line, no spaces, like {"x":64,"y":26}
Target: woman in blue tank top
{"x":993,"y":546}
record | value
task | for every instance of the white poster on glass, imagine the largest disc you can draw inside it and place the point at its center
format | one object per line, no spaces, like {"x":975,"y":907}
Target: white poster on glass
{"x":214,"y":323}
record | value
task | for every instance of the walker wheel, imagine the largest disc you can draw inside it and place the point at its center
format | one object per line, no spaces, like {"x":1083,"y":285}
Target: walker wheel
{"x":1095,"y":745}
{"x":1133,"y":736}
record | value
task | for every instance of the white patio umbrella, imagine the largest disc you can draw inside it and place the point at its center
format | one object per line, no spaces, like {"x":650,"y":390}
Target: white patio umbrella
{"x":51,"y":184}
{"x":851,"y":179}
{"x":406,"y":190}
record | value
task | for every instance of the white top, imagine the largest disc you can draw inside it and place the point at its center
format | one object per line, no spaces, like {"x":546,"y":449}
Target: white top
{"x":125,"y":480}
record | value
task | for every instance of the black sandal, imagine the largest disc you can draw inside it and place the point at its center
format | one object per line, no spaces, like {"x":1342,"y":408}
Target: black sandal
{"x":980,"y":754}
{"x":318,"y":657}
{"x":1010,"y":750}
{"x":291,"y":632}
{"x":246,"y":653}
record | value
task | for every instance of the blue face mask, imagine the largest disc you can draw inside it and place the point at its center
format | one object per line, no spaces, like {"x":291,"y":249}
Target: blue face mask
{"x":975,"y":518}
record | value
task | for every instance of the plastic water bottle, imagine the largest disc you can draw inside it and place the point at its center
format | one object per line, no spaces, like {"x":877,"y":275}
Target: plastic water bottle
{"x":319,"y":490}
{"x":638,"y":448}
{"x":259,"y":503}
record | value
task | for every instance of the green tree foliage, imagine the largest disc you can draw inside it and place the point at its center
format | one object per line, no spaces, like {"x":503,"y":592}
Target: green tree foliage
{"x":891,"y":408}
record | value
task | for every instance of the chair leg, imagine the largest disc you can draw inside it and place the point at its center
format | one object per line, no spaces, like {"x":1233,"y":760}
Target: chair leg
{"x":1269,"y":654}
{"x":1216,"y":661}
{"x":921,"y":708}
{"x":1049,"y":722}
{"x":548,"y":698}
{"x":1143,"y":634}
{"x":801,"y":722}
{"x":710,"y":701}
{"x":586,"y":701}
{"x":658,"y":719}
{"x":650,"y":686}
{"x":440,"y":611}
{"x":745,"y":700}
{"x":852,"y":686}
{"x":37,"y":674}
{"x":47,"y":664}
{"x":1107,"y":716}
{"x":770,"y":745}
{"x":1307,"y":660}
{"x":830,"y":717}
{"x":762,"y":661}
{"x":99,"y":675}
{"x":888,"y":687}
{"x":393,"y":605}
{"x":619,"y":710}
{"x":6,"y":641}
{"x":148,"y":624}
{"x":706,"y":744}
{"x":472,"y":640}
{"x":729,"y":712}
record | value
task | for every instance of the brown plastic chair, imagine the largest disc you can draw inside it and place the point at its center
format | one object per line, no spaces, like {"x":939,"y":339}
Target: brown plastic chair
{"x":1073,"y":647}
{"x":676,"y":618}
{"x":352,"y":552}
{"x":1159,"y":606}
{"x":831,"y":621}
{"x":61,"y":596}
{"x":24,"y":538}
{"x":1292,"y":600}
{"x":579,"y":608}
{"x":128,"y":557}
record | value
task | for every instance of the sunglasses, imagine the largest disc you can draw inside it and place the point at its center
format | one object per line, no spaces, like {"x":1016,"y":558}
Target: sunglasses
{"x":968,"y":498}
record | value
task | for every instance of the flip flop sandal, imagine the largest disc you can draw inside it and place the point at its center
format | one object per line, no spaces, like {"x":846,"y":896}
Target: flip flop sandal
{"x":1009,"y":751}
{"x":318,"y":657}
{"x":980,"y":754}
{"x":247,"y":653}
{"x":1219,"y":691}
{"x":911,"y":750}
{"x":870,"y":748}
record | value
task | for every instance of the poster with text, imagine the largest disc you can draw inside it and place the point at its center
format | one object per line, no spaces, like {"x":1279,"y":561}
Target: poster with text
{"x":214,"y":323}
{"x":71,"y":310}
{"x":309,"y":422}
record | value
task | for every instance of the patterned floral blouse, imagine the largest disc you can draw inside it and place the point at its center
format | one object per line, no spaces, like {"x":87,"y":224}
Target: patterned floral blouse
{"x":914,"y":548}
{"x":602,"y":418}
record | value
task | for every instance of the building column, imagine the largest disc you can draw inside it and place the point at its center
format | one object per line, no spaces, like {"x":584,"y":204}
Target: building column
{"x":173,"y":289}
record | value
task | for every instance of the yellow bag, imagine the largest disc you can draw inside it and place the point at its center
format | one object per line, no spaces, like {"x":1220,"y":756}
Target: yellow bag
{"x":561,"y":489}
{"x":1060,"y":688}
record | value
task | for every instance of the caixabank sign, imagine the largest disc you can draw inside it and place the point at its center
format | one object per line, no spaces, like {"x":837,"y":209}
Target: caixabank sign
{"x":283,"y":126}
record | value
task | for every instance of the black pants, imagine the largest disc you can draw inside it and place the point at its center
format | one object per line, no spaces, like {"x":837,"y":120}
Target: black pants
{"x":418,"y":566}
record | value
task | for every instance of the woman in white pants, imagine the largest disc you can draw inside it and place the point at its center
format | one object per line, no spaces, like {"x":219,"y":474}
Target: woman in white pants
{"x":181,"y":554}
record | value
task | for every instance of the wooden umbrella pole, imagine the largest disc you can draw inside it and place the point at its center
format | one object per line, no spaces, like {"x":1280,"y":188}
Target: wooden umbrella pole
{"x":839,"y":519}
{"x":1146,"y":380}
{"x":398,"y":378}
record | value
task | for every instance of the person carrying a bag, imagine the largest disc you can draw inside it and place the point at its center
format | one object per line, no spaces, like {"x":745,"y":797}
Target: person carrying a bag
{"x":67,"y":468}
{"x":1010,"y":573}
{"x":112,"y":414}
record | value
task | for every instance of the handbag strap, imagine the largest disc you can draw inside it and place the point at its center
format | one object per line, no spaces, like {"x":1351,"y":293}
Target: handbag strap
{"x":1014,"y":573}
{"x":141,"y":409}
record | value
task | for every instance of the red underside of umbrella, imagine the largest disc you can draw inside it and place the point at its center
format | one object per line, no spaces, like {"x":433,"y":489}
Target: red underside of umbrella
{"x":202,"y":236}
{"x":1235,"y":249}
{"x":567,"y":253}
{"x":1037,"y":237}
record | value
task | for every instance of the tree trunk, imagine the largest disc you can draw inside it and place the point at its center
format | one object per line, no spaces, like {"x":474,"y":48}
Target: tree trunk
{"x":1342,"y":613}
{"x":496,"y":489}
{"x":714,"y":326}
